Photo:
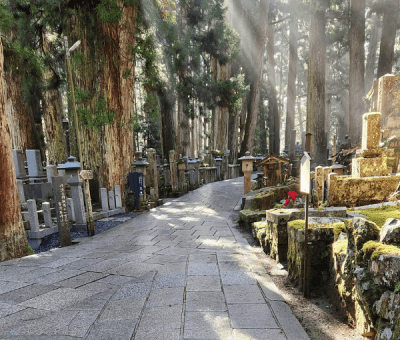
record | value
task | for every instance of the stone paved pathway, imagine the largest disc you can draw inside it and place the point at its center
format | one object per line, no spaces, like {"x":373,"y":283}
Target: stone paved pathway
{"x":181,"y":271}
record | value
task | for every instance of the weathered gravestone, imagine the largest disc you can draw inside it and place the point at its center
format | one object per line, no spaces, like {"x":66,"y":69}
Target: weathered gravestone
{"x":61,"y":209}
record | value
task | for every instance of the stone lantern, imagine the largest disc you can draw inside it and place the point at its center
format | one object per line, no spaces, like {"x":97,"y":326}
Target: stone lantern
{"x":218,"y":163}
{"x":247,"y":168}
{"x":140,"y":166}
{"x":71,"y":169}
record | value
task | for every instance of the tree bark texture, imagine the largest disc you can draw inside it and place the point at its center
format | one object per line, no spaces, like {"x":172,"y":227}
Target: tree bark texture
{"x":222,"y":111}
{"x":108,"y":151}
{"x":273,"y":110}
{"x":13,"y":242}
{"x":167,"y":104}
{"x":356,"y":78}
{"x":23,"y":130}
{"x":389,"y":27}
{"x":260,"y":32}
{"x":316,"y":83}
{"x":291,"y":94}
{"x":371,"y":58}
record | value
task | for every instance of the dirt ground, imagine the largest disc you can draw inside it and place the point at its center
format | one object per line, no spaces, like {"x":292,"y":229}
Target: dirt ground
{"x":319,"y":317}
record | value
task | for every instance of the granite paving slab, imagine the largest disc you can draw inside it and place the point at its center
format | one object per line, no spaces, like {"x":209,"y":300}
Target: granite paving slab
{"x":57,"y":299}
{"x":160,"y":318}
{"x":252,"y":316}
{"x":204,"y":283}
{"x":127,"y":309}
{"x":26,"y":293}
{"x":205,"y":301}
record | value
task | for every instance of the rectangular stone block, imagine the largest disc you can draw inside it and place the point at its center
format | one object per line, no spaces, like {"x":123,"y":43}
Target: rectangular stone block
{"x":61,"y":209}
{"x":33,"y":216}
{"x":48,"y":222}
{"x":371,"y":130}
{"x":111,"y":199}
{"x":19,"y":163}
{"x":70,"y":209}
{"x":368,"y":167}
{"x":118,"y":197}
{"x":79,"y":205}
{"x":104,"y":199}
{"x":34,"y":160}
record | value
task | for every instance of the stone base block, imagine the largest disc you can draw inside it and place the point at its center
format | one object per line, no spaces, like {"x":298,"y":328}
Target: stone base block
{"x":368,"y":167}
{"x":160,"y":202}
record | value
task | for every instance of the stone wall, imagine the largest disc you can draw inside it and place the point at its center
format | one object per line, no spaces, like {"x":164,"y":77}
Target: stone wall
{"x":348,"y":191}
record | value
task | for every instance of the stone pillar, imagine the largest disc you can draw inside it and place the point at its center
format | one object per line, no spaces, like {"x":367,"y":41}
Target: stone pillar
{"x":218,"y":163}
{"x":371,"y":131}
{"x":152,"y":174}
{"x":104,"y":199}
{"x":61,"y":208}
{"x":247,"y":168}
{"x":292,"y":146}
{"x":224,"y":167}
{"x":33,"y":216}
{"x":332,"y":189}
{"x":319,"y":184}
{"x":51,"y":171}
{"x":34,"y":160}
{"x":21,"y":193}
{"x":196,"y":173}
{"x":70,"y":210}
{"x":19,"y":164}
{"x":79,"y":205}
{"x":181,"y":170}
{"x":48,"y":222}
{"x":111,"y":199}
{"x":174,"y":171}
{"x":118,"y":199}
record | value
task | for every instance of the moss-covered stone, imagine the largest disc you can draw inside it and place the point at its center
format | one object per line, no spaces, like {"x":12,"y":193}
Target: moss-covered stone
{"x":380,"y":215}
{"x":373,"y":250}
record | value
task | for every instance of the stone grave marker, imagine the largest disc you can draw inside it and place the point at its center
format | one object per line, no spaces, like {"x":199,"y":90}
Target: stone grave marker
{"x":19,"y":164}
{"x":48,"y":222}
{"x":118,"y":199}
{"x":33,"y":216}
{"x":111,"y":199}
{"x":104,"y":199}
{"x":34,"y":160}
{"x":61,"y":209}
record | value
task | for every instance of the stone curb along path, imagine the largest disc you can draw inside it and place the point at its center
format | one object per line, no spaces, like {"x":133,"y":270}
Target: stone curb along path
{"x":181,"y":271}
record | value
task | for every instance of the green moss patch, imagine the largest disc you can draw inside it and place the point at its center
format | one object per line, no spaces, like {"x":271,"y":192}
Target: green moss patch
{"x":339,"y":246}
{"x":338,"y":227}
{"x":380,"y":215}
{"x":373,"y":249}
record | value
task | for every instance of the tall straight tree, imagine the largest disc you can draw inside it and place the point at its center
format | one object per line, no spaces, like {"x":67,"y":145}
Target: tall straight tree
{"x":316,"y":81}
{"x":389,"y":26}
{"x":273,"y":110}
{"x":357,"y":58}
{"x":291,"y":96}
{"x":260,"y":32}
{"x":13,"y":241}
{"x":372,"y":48}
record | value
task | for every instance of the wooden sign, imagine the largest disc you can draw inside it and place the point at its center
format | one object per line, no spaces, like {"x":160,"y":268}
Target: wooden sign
{"x":305,"y":181}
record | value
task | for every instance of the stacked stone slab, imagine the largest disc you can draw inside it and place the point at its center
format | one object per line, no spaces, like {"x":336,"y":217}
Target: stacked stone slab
{"x":369,"y":182}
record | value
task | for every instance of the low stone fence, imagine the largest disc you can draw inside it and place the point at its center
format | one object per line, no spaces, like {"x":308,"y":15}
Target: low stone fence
{"x":359,"y":262}
{"x":208,"y":175}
